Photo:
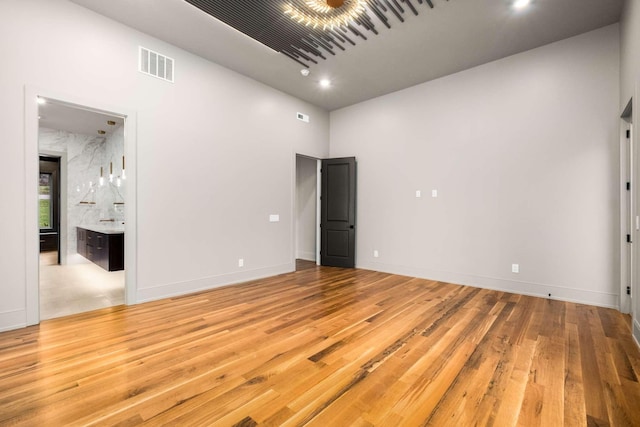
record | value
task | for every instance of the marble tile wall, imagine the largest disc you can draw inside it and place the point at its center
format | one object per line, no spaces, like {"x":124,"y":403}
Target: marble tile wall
{"x":110,"y":197}
{"x":87,"y":201}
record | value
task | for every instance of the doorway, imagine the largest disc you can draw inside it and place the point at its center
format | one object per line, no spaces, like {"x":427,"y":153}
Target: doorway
{"x":307,"y":212}
{"x":31,"y":170}
{"x":49,"y":209}
{"x":88,"y":179}
{"x":325,"y":212}
{"x":629,"y":219}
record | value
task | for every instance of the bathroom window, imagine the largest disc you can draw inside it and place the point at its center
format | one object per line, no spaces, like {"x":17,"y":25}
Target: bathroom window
{"x":45,"y":205}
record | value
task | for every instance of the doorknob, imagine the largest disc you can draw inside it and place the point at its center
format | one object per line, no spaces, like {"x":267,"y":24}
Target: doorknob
{"x":351,"y":226}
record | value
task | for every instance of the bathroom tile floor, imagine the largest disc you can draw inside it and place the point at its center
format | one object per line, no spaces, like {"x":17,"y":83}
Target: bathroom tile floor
{"x":76,"y":287}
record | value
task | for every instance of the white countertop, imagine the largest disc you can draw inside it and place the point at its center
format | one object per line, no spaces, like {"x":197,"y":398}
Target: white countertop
{"x":108,"y":228}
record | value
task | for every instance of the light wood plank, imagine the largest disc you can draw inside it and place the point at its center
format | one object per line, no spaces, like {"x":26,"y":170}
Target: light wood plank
{"x":325,"y":346}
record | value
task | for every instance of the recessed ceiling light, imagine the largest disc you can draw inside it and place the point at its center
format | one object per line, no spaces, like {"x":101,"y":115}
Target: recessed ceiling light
{"x":521,"y":4}
{"x":41,"y":101}
{"x":325,"y":83}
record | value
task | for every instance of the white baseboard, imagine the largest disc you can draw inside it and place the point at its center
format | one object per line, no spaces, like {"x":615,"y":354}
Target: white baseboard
{"x":14,"y":319}
{"x":307,"y":256}
{"x":636,"y":332}
{"x":581,"y":296}
{"x":17,"y":318}
{"x":183,"y":288}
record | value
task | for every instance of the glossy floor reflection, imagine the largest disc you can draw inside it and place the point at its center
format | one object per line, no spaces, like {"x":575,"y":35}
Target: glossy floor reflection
{"x":326,"y":347}
{"x":76,"y":287}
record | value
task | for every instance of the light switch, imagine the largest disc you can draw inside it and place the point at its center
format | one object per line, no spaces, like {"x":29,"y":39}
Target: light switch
{"x":274,"y":218}
{"x":434,"y":193}
{"x":418,"y":193}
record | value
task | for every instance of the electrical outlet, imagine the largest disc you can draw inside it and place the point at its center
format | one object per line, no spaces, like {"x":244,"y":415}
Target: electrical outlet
{"x":240,"y":262}
{"x":375,"y":254}
{"x":515,"y":268}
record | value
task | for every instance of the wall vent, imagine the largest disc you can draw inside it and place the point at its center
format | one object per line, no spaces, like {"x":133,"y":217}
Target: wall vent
{"x":303,"y":117}
{"x":155,"y":64}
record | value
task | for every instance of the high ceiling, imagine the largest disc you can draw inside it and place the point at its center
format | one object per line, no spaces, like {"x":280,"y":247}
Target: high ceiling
{"x":452,"y":36}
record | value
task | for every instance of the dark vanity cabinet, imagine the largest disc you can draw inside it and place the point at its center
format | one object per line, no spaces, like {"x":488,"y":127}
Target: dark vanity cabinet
{"x":82,"y":242}
{"x":103,"y":248}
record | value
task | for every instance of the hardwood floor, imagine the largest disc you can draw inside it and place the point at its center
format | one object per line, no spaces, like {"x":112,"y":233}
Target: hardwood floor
{"x":302,"y":264}
{"x":327,"y":347}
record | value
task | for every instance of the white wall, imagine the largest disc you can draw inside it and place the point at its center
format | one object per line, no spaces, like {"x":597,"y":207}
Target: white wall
{"x":630,"y":50}
{"x":306,"y":208}
{"x":524,"y":154}
{"x":214,"y":151}
{"x":630,"y":88}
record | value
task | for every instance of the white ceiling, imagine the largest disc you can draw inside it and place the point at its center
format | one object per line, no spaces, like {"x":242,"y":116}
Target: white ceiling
{"x":454,"y":36}
{"x":56,"y":115}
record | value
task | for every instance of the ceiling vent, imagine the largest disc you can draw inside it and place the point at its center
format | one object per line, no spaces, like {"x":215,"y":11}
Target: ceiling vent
{"x":155,"y":64}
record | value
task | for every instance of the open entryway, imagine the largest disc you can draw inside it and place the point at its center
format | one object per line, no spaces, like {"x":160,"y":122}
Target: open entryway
{"x":82,"y":186}
{"x":307,"y":212}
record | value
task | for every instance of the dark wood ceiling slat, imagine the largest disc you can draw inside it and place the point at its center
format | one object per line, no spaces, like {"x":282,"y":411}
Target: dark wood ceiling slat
{"x":413,"y":9}
{"x":345,"y":37}
{"x":393,"y":10}
{"x":266,"y":22}
{"x":397,"y":5}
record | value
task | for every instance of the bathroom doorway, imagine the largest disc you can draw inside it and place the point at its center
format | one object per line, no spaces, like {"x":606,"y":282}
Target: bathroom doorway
{"x":90,"y":187}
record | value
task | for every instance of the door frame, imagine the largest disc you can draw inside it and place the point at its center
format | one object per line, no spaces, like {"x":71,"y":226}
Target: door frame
{"x":51,"y":165}
{"x":62,"y":242}
{"x":627,"y":213}
{"x":295,"y":205}
{"x":634,"y":301}
{"x":92,"y":102}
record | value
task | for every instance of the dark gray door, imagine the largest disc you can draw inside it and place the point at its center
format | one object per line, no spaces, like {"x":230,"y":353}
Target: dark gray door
{"x":338,"y":213}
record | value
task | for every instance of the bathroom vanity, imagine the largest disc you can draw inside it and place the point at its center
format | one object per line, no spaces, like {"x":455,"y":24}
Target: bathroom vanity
{"x":102,"y":245}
